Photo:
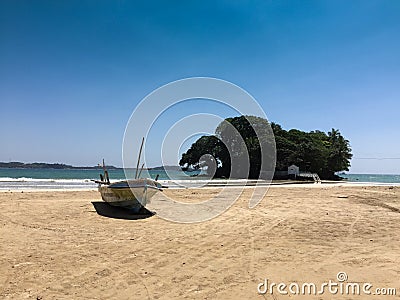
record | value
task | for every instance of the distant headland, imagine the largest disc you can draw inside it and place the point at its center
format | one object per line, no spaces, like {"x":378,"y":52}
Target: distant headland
{"x":36,"y":165}
{"x":59,"y":166}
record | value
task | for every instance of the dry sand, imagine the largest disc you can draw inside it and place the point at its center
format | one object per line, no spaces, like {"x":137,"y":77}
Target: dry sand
{"x":54,"y":245}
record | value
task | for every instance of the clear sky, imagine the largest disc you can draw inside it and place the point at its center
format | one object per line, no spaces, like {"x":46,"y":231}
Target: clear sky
{"x":71,"y":72}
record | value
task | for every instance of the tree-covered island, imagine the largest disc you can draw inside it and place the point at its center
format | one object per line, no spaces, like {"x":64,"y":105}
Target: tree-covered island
{"x":315,"y":151}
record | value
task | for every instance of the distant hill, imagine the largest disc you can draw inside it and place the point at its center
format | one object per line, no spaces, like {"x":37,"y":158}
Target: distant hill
{"x":36,"y":165}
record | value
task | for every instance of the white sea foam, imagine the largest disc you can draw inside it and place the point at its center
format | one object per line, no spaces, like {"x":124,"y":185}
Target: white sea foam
{"x":26,"y":183}
{"x":9,"y":183}
{"x":27,"y":179}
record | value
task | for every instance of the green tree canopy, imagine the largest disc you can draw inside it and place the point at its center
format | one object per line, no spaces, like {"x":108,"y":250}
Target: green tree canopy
{"x":315,"y":151}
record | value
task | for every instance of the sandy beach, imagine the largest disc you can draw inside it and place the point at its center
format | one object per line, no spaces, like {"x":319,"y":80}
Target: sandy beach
{"x":69,"y":245}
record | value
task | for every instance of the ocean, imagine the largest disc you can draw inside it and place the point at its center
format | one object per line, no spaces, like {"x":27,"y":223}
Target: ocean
{"x":378,"y":178}
{"x":14,"y":179}
{"x":11,"y":179}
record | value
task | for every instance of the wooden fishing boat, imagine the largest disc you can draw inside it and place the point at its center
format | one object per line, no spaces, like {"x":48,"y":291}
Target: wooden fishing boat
{"x":132,"y":194}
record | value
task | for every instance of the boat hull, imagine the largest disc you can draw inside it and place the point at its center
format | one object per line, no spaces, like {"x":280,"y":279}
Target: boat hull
{"x":133,"y":194}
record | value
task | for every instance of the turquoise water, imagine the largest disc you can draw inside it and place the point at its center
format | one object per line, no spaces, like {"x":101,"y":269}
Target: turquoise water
{"x":58,"y":174}
{"x":75,"y":179}
{"x":381,"y":178}
{"x":84,"y":174}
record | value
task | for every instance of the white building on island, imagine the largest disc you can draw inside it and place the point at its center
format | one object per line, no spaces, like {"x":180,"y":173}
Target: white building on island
{"x":293,"y":170}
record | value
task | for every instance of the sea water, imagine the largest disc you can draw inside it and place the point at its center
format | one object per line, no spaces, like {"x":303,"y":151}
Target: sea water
{"x":11,"y":179}
{"x":378,"y":178}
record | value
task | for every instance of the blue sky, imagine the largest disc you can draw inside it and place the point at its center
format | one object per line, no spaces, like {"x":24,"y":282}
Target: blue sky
{"x":71,"y":72}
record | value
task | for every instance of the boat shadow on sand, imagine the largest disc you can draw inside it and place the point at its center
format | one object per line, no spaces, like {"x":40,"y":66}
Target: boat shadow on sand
{"x":106,"y":210}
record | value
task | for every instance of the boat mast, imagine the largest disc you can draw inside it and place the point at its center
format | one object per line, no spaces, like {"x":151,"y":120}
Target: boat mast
{"x":141,"y":169}
{"x":106,"y":177}
{"x":138,"y":161}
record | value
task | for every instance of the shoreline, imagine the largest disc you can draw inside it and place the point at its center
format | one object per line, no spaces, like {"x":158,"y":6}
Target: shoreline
{"x":313,"y":185}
